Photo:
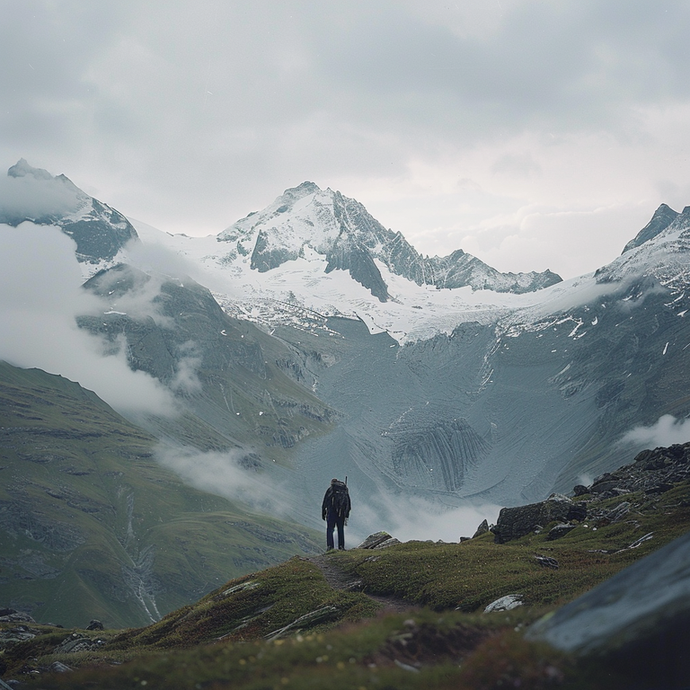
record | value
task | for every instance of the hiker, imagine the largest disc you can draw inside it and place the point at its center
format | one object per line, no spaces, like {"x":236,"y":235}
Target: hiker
{"x":335,"y":510}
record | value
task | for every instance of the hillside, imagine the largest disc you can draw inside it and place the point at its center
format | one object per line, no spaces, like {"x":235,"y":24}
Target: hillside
{"x":91,"y":526}
{"x":288,"y":626}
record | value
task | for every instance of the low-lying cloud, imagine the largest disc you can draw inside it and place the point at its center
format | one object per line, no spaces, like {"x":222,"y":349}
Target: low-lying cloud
{"x":40,"y":298}
{"x":667,"y":431}
{"x":231,"y":474}
{"x":419,"y":518}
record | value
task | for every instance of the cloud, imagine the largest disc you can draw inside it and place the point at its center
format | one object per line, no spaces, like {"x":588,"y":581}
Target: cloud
{"x":40,"y":297}
{"x":667,"y":431}
{"x":417,"y":518}
{"x":354,"y":96}
{"x":235,"y":475}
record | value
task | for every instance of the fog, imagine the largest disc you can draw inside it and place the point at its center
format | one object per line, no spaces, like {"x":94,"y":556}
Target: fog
{"x":40,"y":298}
{"x":667,"y":431}
{"x":404,"y":517}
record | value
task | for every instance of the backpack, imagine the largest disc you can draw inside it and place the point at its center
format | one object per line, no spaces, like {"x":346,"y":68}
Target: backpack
{"x":340,"y":499}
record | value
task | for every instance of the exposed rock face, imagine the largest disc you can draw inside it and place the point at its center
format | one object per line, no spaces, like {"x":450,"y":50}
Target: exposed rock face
{"x":662,"y":218}
{"x":177,"y":332}
{"x":514,"y":523}
{"x":639,"y":617}
{"x":435,"y":452}
{"x":482,"y":529}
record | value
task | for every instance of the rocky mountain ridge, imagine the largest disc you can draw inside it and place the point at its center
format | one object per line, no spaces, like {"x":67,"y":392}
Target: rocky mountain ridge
{"x":306,"y":218}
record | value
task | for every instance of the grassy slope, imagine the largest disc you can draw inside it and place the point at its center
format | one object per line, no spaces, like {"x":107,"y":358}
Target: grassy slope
{"x":88,"y":518}
{"x":453,"y":582}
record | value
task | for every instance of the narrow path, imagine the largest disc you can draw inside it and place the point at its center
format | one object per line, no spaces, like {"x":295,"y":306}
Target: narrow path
{"x":337,"y":579}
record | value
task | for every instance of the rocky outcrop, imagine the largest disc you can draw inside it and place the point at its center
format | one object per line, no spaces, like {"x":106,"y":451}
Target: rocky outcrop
{"x":517,"y":522}
{"x":662,"y":218}
{"x":653,"y":472}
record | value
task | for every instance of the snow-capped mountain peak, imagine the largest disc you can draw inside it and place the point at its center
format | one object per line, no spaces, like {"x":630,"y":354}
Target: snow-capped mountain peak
{"x":342,"y":231}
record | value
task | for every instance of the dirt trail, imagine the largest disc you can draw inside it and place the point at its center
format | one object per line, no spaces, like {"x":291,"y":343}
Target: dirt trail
{"x":337,"y":579}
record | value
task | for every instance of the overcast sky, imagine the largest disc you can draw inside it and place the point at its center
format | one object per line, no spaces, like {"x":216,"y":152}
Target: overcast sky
{"x":532,"y":134}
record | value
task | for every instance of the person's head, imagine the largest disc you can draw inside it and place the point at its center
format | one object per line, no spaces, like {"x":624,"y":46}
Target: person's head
{"x":335,"y":481}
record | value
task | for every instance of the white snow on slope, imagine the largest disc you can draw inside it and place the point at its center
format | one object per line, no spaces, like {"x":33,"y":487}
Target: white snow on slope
{"x":299,"y":291}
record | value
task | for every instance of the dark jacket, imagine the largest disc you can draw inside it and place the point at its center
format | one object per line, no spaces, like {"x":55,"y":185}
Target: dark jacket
{"x":336,"y":501}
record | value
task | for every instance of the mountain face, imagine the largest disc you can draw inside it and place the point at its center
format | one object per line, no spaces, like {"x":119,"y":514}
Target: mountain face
{"x":91,"y":526}
{"x":309,"y":219}
{"x":99,"y":231}
{"x":510,"y":410}
{"x":227,"y":376}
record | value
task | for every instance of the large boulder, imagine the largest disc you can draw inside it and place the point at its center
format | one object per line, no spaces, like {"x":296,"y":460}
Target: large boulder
{"x":639,"y":619}
{"x":514,"y":523}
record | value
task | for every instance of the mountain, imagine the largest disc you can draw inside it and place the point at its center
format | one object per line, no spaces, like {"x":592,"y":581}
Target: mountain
{"x":413,"y":389}
{"x":228,"y":376}
{"x":92,"y":526}
{"x":100,"y":232}
{"x":308,"y":219}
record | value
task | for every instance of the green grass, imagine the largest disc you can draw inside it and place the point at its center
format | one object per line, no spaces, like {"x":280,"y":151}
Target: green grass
{"x":221,"y":640}
{"x":84,"y":501}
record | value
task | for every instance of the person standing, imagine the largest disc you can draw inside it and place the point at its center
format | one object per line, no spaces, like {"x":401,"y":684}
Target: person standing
{"x":335,"y":510}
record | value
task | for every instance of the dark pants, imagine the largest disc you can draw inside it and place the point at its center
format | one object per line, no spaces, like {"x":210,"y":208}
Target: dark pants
{"x":332,"y":521}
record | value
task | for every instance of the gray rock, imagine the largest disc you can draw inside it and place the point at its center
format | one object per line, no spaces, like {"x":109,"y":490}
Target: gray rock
{"x":619,"y":512}
{"x":546,"y":561}
{"x":386,"y":543}
{"x":95,"y":625}
{"x":12,"y":616}
{"x":639,"y":617}
{"x":59,"y":667}
{"x":506,"y":603}
{"x":482,"y":529}
{"x":514,"y":523}
{"x":373,"y":540}
{"x":559,"y":531}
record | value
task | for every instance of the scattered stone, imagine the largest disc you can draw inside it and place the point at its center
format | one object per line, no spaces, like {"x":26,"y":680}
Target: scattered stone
{"x":250,"y":584}
{"x":59,"y":667}
{"x":405,"y":667}
{"x":641,"y":540}
{"x":559,"y":531}
{"x":77,"y":642}
{"x":580,"y":490}
{"x":659,"y":489}
{"x":373,"y":540}
{"x":13,"y":616}
{"x":506,"y":603}
{"x":619,"y":512}
{"x":95,"y":625}
{"x":482,"y":529}
{"x":546,"y":561}
{"x":310,"y":618}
